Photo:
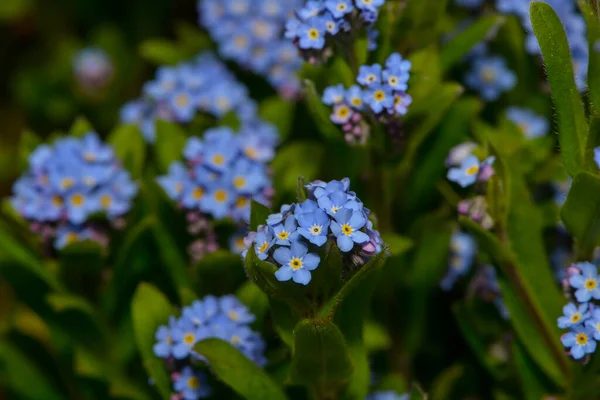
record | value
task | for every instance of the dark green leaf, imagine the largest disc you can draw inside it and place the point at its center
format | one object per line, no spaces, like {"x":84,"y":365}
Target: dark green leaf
{"x":80,"y":127}
{"x":297,"y":159}
{"x":581,"y":212}
{"x":130,"y":148}
{"x":258,"y":215}
{"x":320,"y":114}
{"x":151,"y":309}
{"x":572,"y":125}
{"x":170,"y":141}
{"x":161,"y":51}
{"x":593,"y":35}
{"x":397,"y":244}
{"x":279,"y":112}
{"x":321,"y":357}
{"x":238,"y":372}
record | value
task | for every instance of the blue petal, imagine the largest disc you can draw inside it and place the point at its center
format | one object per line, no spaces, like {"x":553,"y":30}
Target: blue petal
{"x":359,"y":237}
{"x":284,"y":273}
{"x":302,"y":276}
{"x":299,"y":249}
{"x":311,"y":261}
{"x":345,"y":243}
{"x":282,"y":255}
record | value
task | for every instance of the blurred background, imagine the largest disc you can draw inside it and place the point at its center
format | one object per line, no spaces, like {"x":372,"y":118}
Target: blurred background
{"x":42,"y":43}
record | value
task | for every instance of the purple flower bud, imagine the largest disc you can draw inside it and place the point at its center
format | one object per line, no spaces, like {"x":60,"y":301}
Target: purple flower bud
{"x":486,"y":172}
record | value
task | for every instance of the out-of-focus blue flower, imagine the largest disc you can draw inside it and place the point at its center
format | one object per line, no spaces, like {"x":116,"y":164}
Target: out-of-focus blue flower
{"x":586,"y":283}
{"x":597,"y":156}
{"x":312,"y":34}
{"x":387,"y":395}
{"x":334,"y":95}
{"x":93,"y":68}
{"x":573,"y":315}
{"x":531,"y":124}
{"x":580,"y":341}
{"x":369,"y":75}
{"x":68,"y":182}
{"x":235,"y":311}
{"x":263,"y":242}
{"x":379,"y":98}
{"x":462,"y":255}
{"x":222,"y":172}
{"x":354,"y":96}
{"x":593,"y":322}
{"x":296,"y":263}
{"x":372,"y":36}
{"x":490,"y":77}
{"x":164,"y":345}
{"x":191,"y":385}
{"x":466,"y":174}
{"x":339,"y":8}
{"x":369,"y":5}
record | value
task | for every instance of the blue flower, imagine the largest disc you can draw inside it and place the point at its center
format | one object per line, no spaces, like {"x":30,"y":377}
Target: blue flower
{"x":462,"y":255}
{"x":379,"y":98}
{"x":306,"y":206}
{"x":284,"y":210}
{"x":201,"y":312}
{"x":164,"y":345}
{"x":342,"y":113}
{"x":354,"y":96}
{"x":369,"y":75}
{"x":597,"y":156}
{"x":263,"y":242}
{"x":314,"y":226}
{"x":339,"y":8}
{"x":218,"y":202}
{"x":531,"y":124}
{"x":311,"y":10}
{"x":71,"y":234}
{"x":296,"y":263}
{"x":580,"y":341}
{"x":312,"y":34}
{"x":490,"y":77}
{"x":333,"y":202}
{"x":235,"y":311}
{"x":573,"y":315}
{"x":396,"y":62}
{"x":593,"y":323}
{"x":401,"y":103}
{"x":93,"y":68}
{"x":286,"y":233}
{"x":183,"y":105}
{"x":466,"y":174}
{"x":372,"y":36}
{"x":346,"y":228}
{"x":396,"y":79}
{"x":369,"y":5}
{"x":192,"y":384}
{"x":185,"y":335}
{"x":332,"y":26}
{"x":586,"y":283}
{"x":334,"y":95}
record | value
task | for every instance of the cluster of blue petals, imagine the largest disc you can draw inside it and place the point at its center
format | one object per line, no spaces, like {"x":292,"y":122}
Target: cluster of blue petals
{"x":321,"y":21}
{"x":223,"y":172}
{"x":179,"y":93}
{"x":462,"y":256}
{"x":531,"y":124}
{"x":69,"y":181}
{"x":582,"y":317}
{"x":224,"y":318}
{"x":250,"y":32}
{"x":332,"y":213}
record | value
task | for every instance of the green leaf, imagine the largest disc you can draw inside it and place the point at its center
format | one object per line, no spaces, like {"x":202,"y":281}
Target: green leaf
{"x":294,"y":160}
{"x":593,"y":35}
{"x":258,"y":215}
{"x":161,"y":51}
{"x":320,"y":114}
{"x":461,"y":44}
{"x":572,"y":125}
{"x":27,"y":144}
{"x":22,"y":376}
{"x":130,"y":148}
{"x":534,"y":382}
{"x":301,"y":190}
{"x":279,"y":112}
{"x":151,"y":309}
{"x":376,"y":336}
{"x":170,"y":141}
{"x":80,"y":127}
{"x":321,"y":358}
{"x":238,"y":372}
{"x":581,"y":213}
{"x":285,"y":319}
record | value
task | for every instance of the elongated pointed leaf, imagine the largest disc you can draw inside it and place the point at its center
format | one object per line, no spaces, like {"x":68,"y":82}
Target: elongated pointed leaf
{"x":572,"y":125}
{"x":581,"y":212}
{"x":238,"y":372}
{"x":170,"y":141}
{"x":320,"y":114}
{"x":593,"y":35}
{"x":130,"y":148}
{"x":258,"y":215}
{"x":151,"y":309}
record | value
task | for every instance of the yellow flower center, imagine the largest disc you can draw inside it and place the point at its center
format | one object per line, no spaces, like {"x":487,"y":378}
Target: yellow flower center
{"x":263,"y":247}
{"x":220,"y":195}
{"x":330,"y":25}
{"x":169,"y":340}
{"x":178,"y":187}
{"x":106,"y":201}
{"x":182,"y":100}
{"x":251,"y":152}
{"x":523,"y":126}
{"x":283,"y":235}
{"x":89,"y":157}
{"x":379,"y":95}
{"x":57,"y":201}
{"x":575,"y":318}
{"x":296,"y":263}
{"x":473,"y":170}
{"x":341,"y":7}
{"x":581,"y":339}
{"x":236,"y":340}
{"x":313,"y":33}
{"x":222,"y":103}
{"x":67,"y":183}
{"x":71,"y":237}
{"x":393,"y":80}
{"x":488,"y":75}
{"x":193,"y":382}
{"x":189,"y":338}
{"x":591,"y":284}
{"x":343,"y":112}
{"x":218,"y":159}
{"x":233,"y":315}
{"x":316,"y":230}
{"x":347,"y":230}
{"x":198,"y":193}
{"x":334,"y":209}
{"x":367,"y":1}
{"x":357,"y":101}
{"x":77,"y":200}
{"x":241,"y":41}
{"x":241,"y":202}
{"x":371,"y":78}
{"x":239,"y":182}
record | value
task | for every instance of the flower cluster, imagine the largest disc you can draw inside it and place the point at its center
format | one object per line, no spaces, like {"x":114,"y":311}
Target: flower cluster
{"x":582,"y":316}
{"x":470,"y":169}
{"x":490,"y":77}
{"x":332,"y":213}
{"x":462,"y":255}
{"x":178,"y":93}
{"x":220,"y":176}
{"x":319,"y":23}
{"x":532,"y":125}
{"x":382,"y":94}
{"x":250,"y":33}
{"x":574,"y":26}
{"x":68,"y":182}
{"x":224,"y":318}
{"x":93,"y":69}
